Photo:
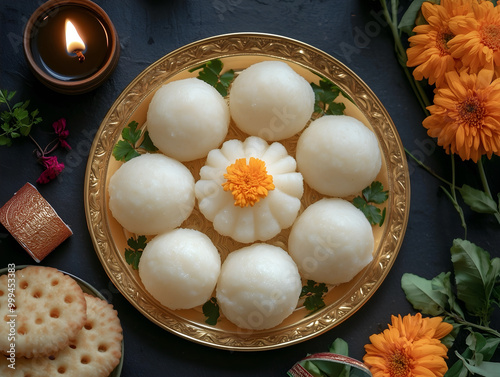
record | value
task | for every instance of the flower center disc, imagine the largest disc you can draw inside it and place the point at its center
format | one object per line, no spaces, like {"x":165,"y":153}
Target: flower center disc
{"x":490,"y":35}
{"x":248,"y":182}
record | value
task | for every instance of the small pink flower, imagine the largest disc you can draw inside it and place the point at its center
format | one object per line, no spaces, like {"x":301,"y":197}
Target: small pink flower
{"x":52,"y":169}
{"x":61,"y":131}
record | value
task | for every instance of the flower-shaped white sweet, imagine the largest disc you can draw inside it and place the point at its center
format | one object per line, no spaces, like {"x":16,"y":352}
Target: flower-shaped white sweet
{"x":250,"y":206}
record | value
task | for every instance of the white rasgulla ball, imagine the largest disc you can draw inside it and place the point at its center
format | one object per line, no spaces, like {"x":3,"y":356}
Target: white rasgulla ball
{"x":259,"y":286}
{"x":187,"y":118}
{"x":270,"y":100}
{"x":151,"y":194}
{"x":331,"y":241}
{"x":338,"y":155}
{"x":180,"y":268}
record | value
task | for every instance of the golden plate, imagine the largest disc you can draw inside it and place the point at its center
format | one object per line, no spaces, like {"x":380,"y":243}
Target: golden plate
{"x":238,"y":51}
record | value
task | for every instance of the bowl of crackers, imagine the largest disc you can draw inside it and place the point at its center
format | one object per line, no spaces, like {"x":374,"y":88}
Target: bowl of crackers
{"x":54,"y":323}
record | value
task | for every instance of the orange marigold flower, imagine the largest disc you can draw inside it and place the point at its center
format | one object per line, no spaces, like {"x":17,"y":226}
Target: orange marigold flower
{"x":393,"y":354}
{"x":428,"y":50}
{"x":465,"y":117}
{"x":248,"y":182}
{"x":477,"y":40}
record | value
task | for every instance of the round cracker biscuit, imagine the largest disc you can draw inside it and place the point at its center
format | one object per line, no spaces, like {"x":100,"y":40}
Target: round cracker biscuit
{"x":95,"y":352}
{"x":50,"y":309}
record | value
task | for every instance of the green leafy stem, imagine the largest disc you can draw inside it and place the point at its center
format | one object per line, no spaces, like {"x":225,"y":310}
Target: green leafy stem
{"x":477,"y":287}
{"x":129,"y":147}
{"x":16,"y":121}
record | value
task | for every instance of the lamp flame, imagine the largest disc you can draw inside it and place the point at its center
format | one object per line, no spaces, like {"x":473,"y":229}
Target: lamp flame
{"x":74,"y":42}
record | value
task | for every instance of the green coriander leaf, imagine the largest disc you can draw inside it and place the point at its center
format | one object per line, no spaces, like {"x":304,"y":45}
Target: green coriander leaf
{"x":335,"y":109}
{"x":211,"y":74}
{"x":422,"y":296}
{"x":372,"y":194}
{"x":372,"y":213}
{"x":475,"y":278}
{"x":123,"y":151}
{"x":209,"y":77}
{"x":375,"y":193}
{"x":127,"y":149}
{"x":211,"y":311}
{"x":226,"y":78}
{"x":131,"y":134}
{"x":381,"y":222}
{"x":324,"y":98}
{"x":314,"y":302}
{"x":314,"y":295}
{"x":477,"y":200}
{"x":134,"y":252}
{"x":147,"y":143}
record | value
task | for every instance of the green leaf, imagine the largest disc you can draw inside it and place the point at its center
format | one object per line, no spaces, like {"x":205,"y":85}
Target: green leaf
{"x":314,"y":295}
{"x":211,"y":74}
{"x":5,"y":141}
{"x":408,"y":19}
{"x":325,"y":95}
{"x":123,"y":151}
{"x":486,"y":369}
{"x":372,"y":213}
{"x":475,"y":277}
{"x":131,"y":134}
{"x":312,"y":368}
{"x":375,"y":193}
{"x":340,"y":347}
{"x":335,"y":108}
{"x":477,"y":200}
{"x":147,"y":143}
{"x":127,"y":149}
{"x":134,"y":252}
{"x":422,"y":296}
{"x":442,"y":283}
{"x":372,"y":194}
{"x":211,"y":311}
{"x":449,"y":339}
{"x":25,"y":130}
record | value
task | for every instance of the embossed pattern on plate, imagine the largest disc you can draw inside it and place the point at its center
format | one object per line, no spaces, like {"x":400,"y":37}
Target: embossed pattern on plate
{"x":238,"y":51}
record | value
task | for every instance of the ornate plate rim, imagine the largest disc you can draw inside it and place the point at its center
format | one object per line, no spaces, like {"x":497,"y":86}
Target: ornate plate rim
{"x":272,"y":46}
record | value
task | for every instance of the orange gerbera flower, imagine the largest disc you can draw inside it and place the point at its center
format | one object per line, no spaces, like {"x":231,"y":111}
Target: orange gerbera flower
{"x":477,"y":40}
{"x":465,"y":117}
{"x":392,"y":354}
{"x":428,"y":50}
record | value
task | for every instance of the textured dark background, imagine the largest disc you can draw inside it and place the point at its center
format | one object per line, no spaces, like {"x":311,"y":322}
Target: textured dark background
{"x":352,"y":32}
